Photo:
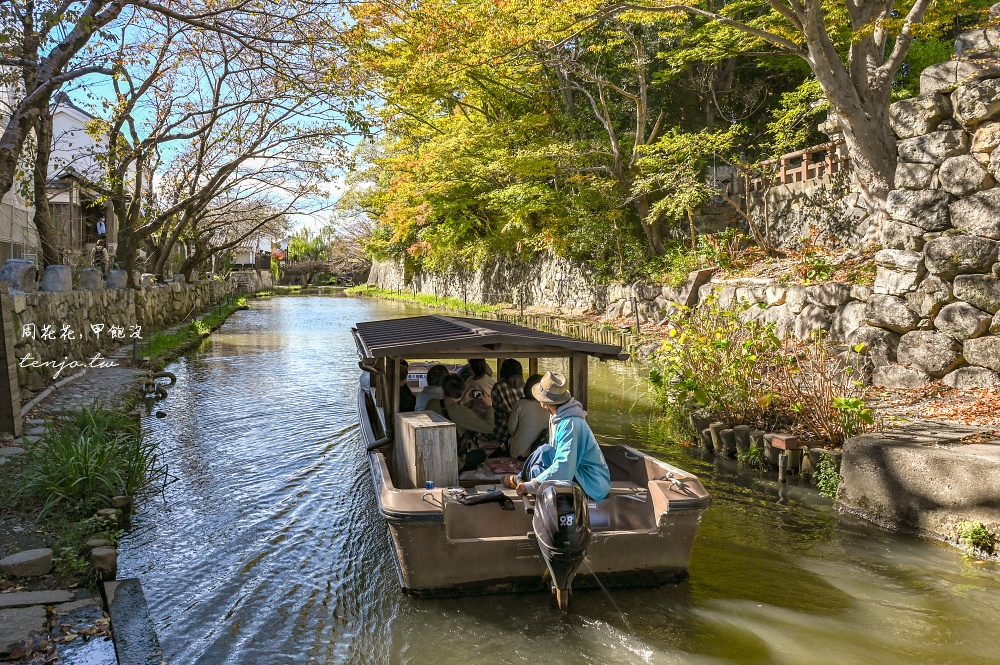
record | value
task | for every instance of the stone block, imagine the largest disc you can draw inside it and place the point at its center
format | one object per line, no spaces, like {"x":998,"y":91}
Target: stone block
{"x":147,"y":280}
{"x":931,"y":352}
{"x":885,"y":479}
{"x":975,"y":102}
{"x":891,"y":313}
{"x":20,"y":625}
{"x":896,"y":282}
{"x":897,"y":235}
{"x":117,"y":279}
{"x":949,"y":256}
{"x":978,"y":43}
{"x":30,"y":563}
{"x":105,"y":561}
{"x":830,"y":295}
{"x":848,"y":318}
{"x":918,"y":115}
{"x":962,"y":321}
{"x":91,"y":279}
{"x":987,"y":138}
{"x":797,"y":297}
{"x":782,"y":318}
{"x":946,"y":76}
{"x":977,"y":214}
{"x":926,"y":209}
{"x":930,"y":296}
{"x":982,"y":291}
{"x":984,"y":352}
{"x":900,"y":259}
{"x":774,"y":294}
{"x":914,"y":176}
{"x":28,"y":598}
{"x":933,"y":148}
{"x":813,"y":318}
{"x":897,"y":377}
{"x":995,"y":325}
{"x":877,"y":344}
{"x":58,"y":279}
{"x":861,"y":292}
{"x":21,"y":275}
{"x":965,"y":378}
{"x":964,"y":175}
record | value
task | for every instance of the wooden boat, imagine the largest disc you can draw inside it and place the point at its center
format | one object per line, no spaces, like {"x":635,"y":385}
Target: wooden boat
{"x":642,"y":534}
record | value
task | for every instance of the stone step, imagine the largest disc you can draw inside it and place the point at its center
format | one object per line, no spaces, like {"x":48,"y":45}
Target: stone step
{"x":30,"y":563}
{"x":28,"y":598}
{"x":20,"y":624}
{"x":11,"y":451}
{"x":36,"y":431}
{"x":36,"y":421}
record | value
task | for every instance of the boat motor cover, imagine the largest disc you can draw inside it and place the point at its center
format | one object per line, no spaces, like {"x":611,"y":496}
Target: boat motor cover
{"x":561,"y":523}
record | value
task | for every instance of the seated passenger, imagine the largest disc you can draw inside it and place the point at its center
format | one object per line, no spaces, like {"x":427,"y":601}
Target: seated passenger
{"x":429,"y":399}
{"x":573,"y":454}
{"x":528,"y":423}
{"x":507,"y":390}
{"x":468,"y":424}
{"x":407,"y":400}
{"x":481,"y":381}
{"x":463,"y":417}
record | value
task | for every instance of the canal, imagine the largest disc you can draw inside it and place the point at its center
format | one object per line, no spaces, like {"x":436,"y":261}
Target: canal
{"x":268,"y":547}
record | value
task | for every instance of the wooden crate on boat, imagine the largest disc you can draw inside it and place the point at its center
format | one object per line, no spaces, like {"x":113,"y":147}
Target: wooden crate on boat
{"x":426,"y":449}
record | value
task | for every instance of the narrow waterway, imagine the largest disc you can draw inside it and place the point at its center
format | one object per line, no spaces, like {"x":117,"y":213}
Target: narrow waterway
{"x":268,"y":548}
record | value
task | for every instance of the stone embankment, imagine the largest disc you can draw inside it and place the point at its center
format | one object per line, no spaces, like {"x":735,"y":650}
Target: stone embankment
{"x":53,"y":322}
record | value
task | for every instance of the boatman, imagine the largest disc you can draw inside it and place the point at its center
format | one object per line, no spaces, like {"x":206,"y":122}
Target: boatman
{"x":573,"y":453}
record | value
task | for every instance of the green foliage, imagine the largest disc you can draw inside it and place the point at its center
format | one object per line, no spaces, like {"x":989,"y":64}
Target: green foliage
{"x":753,"y":458}
{"x":166,"y":345}
{"x":816,"y":268}
{"x":977,"y":536}
{"x":454,"y":304}
{"x":855,"y":414}
{"x":794,"y":120}
{"x":90,"y":458}
{"x":305,"y":246}
{"x":715,"y":360}
{"x":827,"y":478}
{"x":923,"y":53}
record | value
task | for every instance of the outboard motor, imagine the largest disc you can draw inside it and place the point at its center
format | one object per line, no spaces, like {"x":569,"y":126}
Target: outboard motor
{"x":562,"y":527}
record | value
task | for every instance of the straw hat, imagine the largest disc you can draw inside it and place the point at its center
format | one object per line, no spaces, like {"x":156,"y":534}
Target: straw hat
{"x":552,"y":389}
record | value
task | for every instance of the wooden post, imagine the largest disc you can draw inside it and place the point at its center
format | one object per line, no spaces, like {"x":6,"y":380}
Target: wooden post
{"x":10,"y":391}
{"x":532,"y":366}
{"x":783,"y":173}
{"x":578,"y":377}
{"x":805,"y":166}
{"x":392,"y":383}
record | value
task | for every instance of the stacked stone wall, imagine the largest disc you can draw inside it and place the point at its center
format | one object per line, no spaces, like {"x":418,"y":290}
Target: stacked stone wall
{"x":55,"y":326}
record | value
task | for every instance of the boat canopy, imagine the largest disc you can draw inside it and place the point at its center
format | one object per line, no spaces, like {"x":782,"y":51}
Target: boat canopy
{"x":457,"y":337}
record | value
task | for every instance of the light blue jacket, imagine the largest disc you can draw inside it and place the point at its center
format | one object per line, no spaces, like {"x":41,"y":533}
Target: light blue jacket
{"x":576,"y":454}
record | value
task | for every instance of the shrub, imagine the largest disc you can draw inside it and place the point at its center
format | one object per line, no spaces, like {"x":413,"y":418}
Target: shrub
{"x":93,"y":456}
{"x":713,"y":360}
{"x":827,"y":477}
{"x":753,"y":458}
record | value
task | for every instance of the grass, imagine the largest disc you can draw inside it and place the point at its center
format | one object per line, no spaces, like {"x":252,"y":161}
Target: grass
{"x":976,"y":535}
{"x":455,"y":304}
{"x":165,"y":346}
{"x":93,"y":455}
{"x":753,"y":458}
{"x":827,"y":478}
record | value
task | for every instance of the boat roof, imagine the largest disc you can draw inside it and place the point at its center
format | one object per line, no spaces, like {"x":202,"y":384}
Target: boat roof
{"x":439,"y":336}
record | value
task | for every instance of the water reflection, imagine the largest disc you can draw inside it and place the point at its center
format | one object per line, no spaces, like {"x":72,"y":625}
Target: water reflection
{"x":269,"y":548}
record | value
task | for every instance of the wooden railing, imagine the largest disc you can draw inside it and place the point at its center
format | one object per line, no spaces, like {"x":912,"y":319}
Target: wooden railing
{"x":798,"y":166}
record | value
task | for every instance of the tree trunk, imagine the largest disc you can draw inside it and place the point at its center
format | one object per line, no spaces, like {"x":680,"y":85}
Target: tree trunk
{"x":47,"y":235}
{"x":651,"y":229}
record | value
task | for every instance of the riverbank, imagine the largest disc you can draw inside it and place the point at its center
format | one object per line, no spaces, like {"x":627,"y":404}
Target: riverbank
{"x":84,"y":435}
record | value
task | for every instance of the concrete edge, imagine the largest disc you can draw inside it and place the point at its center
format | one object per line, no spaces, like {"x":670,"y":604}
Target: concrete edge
{"x":136,"y":642}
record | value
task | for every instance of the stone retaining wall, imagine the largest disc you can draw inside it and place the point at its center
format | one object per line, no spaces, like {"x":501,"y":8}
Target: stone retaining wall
{"x":922,"y":479}
{"x":53,"y":327}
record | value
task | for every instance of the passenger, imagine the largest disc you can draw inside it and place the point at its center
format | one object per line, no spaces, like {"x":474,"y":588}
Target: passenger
{"x":481,"y":380}
{"x":573,"y":454}
{"x":429,"y":399}
{"x":468,"y":425}
{"x":508,"y":390}
{"x":528,"y":423}
{"x":407,"y":400}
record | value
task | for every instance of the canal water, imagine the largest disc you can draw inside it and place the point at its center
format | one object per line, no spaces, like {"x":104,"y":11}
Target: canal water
{"x":268,"y":548}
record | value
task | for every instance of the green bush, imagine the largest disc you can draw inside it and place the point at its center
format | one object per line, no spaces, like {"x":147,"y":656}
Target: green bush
{"x":93,"y":456}
{"x":827,"y":478}
{"x":715,"y":361}
{"x":753,"y":458}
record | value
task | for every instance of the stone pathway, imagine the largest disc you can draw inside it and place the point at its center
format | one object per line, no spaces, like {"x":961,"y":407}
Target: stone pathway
{"x":58,"y":626}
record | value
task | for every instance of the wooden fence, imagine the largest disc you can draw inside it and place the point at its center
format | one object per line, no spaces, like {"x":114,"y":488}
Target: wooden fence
{"x":798,"y":166}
